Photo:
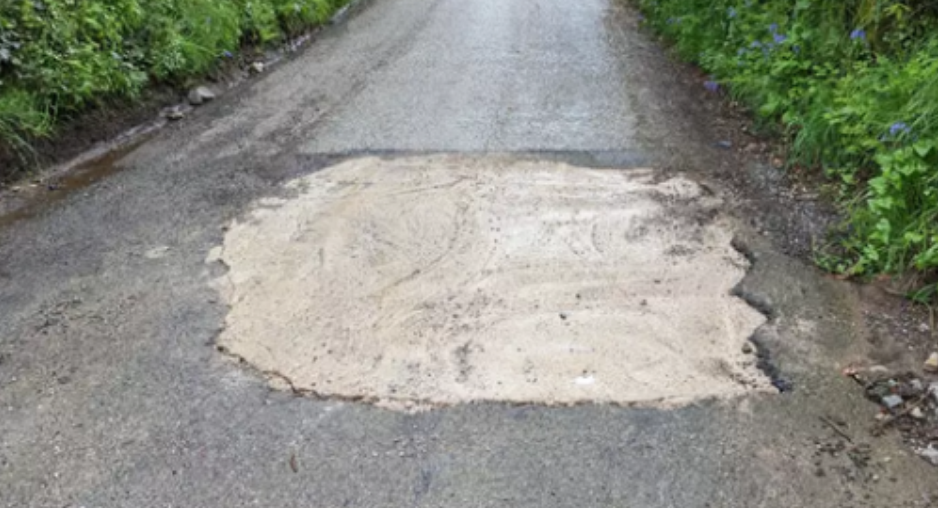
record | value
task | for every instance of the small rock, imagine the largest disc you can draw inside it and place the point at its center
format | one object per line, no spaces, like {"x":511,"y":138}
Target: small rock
{"x":924,"y":328}
{"x":200,"y":95}
{"x":930,"y":454}
{"x":257,"y":67}
{"x":917,"y":386}
{"x":892,"y":401}
{"x":726,"y":145}
{"x":175,"y":112}
{"x":194,"y":98}
{"x":747,"y":348}
{"x":917,"y":413}
{"x":563,"y":316}
{"x":931,"y":364}
{"x":933,"y":391}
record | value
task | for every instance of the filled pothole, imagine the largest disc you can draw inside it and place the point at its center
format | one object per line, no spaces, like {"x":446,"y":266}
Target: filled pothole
{"x":443,"y":280}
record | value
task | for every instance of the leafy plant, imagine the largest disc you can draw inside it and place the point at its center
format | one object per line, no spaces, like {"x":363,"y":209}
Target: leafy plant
{"x":853,"y":85}
{"x":58,"y":57}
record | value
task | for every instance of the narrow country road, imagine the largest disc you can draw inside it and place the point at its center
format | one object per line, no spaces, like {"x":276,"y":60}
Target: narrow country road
{"x":455,"y":253}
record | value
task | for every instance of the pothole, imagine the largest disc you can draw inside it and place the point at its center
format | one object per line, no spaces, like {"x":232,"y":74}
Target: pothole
{"x":444,"y":280}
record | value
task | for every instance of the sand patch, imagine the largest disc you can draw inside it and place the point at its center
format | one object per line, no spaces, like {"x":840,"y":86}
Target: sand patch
{"x":444,"y":280}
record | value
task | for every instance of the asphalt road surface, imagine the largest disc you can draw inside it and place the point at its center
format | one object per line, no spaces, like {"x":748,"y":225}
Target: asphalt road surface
{"x":115,"y":390}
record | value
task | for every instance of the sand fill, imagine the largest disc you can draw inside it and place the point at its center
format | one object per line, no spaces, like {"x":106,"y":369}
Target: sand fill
{"x":443,"y":280}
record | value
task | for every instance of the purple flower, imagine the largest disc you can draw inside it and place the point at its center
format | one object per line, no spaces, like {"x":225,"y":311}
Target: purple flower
{"x":899,"y":128}
{"x":773,"y":27}
{"x":712,"y":86}
{"x":756,"y":44}
{"x":731,"y":12}
{"x":227,"y":54}
{"x":858,"y":34}
{"x":779,"y":38}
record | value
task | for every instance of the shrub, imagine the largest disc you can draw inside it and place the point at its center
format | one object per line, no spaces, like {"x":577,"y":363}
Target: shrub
{"x":58,"y":57}
{"x":853,"y":86}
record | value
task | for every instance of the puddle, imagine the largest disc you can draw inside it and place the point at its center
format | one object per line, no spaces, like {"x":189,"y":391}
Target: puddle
{"x":34,"y":198}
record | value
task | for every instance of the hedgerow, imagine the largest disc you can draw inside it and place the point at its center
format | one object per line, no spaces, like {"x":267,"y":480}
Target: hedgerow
{"x":58,"y":57}
{"x":853,"y":86}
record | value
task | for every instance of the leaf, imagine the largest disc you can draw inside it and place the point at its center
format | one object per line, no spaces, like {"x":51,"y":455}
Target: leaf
{"x":923,"y":149}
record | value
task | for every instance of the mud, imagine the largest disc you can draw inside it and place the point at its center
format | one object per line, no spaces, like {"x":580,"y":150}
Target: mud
{"x":442,"y":280}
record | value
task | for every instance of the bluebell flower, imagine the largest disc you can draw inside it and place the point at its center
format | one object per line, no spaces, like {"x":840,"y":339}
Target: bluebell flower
{"x":858,"y":34}
{"x":773,"y":27}
{"x":227,"y":54}
{"x":779,"y":38}
{"x":755,"y":44}
{"x":731,"y":12}
{"x":899,"y":128}
{"x":711,"y":85}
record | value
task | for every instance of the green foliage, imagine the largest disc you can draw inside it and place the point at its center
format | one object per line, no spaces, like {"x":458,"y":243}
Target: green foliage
{"x":853,"y":85}
{"x":60,"y":56}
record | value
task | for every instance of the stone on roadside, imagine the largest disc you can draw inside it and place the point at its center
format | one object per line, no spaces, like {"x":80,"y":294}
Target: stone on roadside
{"x":257,"y":67}
{"x":175,"y":113}
{"x":892,"y":401}
{"x":917,"y":413}
{"x":931,"y":364}
{"x":200,"y":95}
{"x":747,"y":348}
{"x":930,"y":454}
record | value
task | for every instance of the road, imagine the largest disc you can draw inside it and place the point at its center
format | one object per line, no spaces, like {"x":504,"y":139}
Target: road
{"x":115,"y":390}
